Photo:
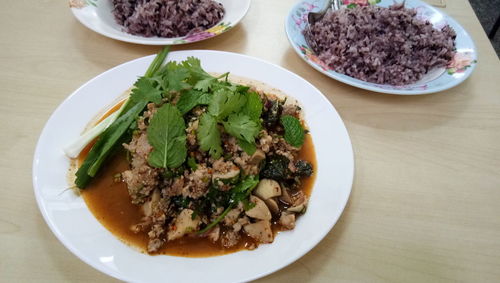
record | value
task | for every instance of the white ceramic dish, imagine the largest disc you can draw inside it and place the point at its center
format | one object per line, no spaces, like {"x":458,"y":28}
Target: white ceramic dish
{"x":97,"y":16}
{"x":74,"y":225}
{"x":456,"y":72}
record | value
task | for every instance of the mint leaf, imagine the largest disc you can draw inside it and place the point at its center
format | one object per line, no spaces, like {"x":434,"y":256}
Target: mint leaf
{"x":241,"y":127}
{"x":209,"y":136}
{"x":294,"y":133}
{"x":225,"y":102}
{"x":191,"y":99}
{"x":253,"y":106}
{"x":166,"y":134}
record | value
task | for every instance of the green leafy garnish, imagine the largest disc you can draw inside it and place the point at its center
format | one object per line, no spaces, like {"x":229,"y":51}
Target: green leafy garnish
{"x":192,"y":98}
{"x":253,"y":106}
{"x":209,"y":136}
{"x":247,"y":147}
{"x":294,"y":133}
{"x":144,"y":90}
{"x":242,"y":127}
{"x":166,"y":134}
{"x":191,"y":162}
{"x":225,"y":102}
{"x":114,"y":135}
{"x":177,"y":74}
{"x":239,"y":193}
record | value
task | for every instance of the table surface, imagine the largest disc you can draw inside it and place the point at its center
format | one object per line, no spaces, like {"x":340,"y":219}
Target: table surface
{"x":425,"y":200}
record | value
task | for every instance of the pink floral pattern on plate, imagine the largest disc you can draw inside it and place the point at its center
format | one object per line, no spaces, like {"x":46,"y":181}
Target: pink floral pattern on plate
{"x":355,"y":3}
{"x":460,"y":62}
{"x":309,"y":54}
{"x":211,"y":32}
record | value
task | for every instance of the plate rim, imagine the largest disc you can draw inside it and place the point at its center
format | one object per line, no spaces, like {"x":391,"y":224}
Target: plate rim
{"x":360,"y":84}
{"x":130,"y":38}
{"x":101,"y":267}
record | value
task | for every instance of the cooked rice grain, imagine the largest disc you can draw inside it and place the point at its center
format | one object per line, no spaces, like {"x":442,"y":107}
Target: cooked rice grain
{"x":380,"y":45}
{"x":166,"y":18}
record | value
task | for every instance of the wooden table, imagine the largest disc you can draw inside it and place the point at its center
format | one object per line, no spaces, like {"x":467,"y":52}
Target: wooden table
{"x":425,"y":205}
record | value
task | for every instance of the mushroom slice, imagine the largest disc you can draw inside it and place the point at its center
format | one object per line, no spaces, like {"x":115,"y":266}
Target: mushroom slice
{"x":300,"y":206}
{"x":272,"y":205}
{"x":147,"y":207}
{"x":267,"y":189}
{"x":228,"y":177}
{"x":260,"y":210}
{"x":257,"y":157}
{"x":287,"y":220}
{"x":285,"y":196}
{"x":232,"y":216}
{"x":184,"y":223}
{"x":260,"y":231}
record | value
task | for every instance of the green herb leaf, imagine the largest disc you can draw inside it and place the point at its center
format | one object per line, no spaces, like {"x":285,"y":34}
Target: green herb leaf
{"x":294,"y":133}
{"x":108,"y":140}
{"x":166,"y":134}
{"x":204,"y":84}
{"x":191,"y":99}
{"x":244,"y":188}
{"x":209,"y":136}
{"x":247,"y":147}
{"x":239,"y":193}
{"x":191,"y":162}
{"x":253,"y":106}
{"x":194,"y":66}
{"x":157,"y":62}
{"x":144,"y":90}
{"x":225,"y":102}
{"x":176,"y":76}
{"x":242,"y":127}
{"x":113,"y":136}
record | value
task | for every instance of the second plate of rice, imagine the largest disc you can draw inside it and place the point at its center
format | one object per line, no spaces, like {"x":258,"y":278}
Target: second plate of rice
{"x":384,"y":46}
{"x":160,"y":22}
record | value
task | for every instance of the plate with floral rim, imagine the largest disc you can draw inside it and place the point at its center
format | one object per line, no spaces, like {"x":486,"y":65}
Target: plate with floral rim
{"x":456,"y":72}
{"x":95,"y":245}
{"x":97,"y":15}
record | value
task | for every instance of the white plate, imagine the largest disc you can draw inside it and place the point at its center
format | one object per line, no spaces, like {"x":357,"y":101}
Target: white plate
{"x":75,"y":226}
{"x":459,"y":69}
{"x":97,"y":16}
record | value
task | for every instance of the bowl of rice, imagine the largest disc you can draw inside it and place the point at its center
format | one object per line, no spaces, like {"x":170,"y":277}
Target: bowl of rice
{"x":160,"y":22}
{"x":384,"y":46}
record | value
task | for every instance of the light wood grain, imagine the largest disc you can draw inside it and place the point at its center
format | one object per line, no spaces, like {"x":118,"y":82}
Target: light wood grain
{"x":425,"y":201}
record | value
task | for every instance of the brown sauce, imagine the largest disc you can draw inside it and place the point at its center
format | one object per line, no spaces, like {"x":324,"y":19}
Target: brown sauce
{"x":110,"y":203}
